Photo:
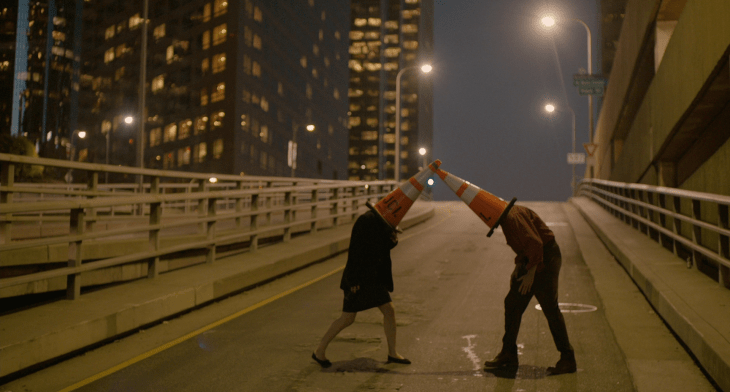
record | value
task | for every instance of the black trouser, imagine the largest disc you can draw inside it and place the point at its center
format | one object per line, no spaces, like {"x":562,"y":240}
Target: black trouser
{"x":545,"y":289}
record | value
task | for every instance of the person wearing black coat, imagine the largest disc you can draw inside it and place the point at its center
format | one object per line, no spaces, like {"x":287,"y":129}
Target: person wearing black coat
{"x":366,"y":282}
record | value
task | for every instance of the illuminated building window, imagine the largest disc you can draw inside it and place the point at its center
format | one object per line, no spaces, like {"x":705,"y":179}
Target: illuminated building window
{"x":390,"y":66}
{"x":356,"y":66}
{"x":356,"y":35}
{"x":59,"y":36}
{"x":338,"y":35}
{"x":219,"y":62}
{"x":257,"y":41}
{"x":264,"y":104}
{"x":389,"y":138}
{"x":336,"y":93}
{"x":256,"y":69}
{"x":204,"y":66}
{"x":170,"y":55}
{"x":369,"y":135}
{"x":391,"y":25}
{"x":155,"y":137}
{"x":411,"y":1}
{"x":205,"y":40}
{"x":219,"y":93}
{"x":392,"y":52}
{"x":109,"y":32}
{"x":119,"y":73}
{"x":371,"y":150}
{"x":353,"y":92}
{"x":121,"y":50}
{"x":134,"y":21}
{"x":303,"y":61}
{"x":372,"y":122}
{"x":264,"y":133}
{"x":200,"y":124}
{"x":217,"y":120}
{"x":217,"y":148}
{"x":316,"y":74}
{"x":390,"y":39}
{"x":410,"y":28}
{"x":185,"y":127}
{"x":315,"y":49}
{"x":247,"y":36}
{"x":355,"y":121}
{"x":309,"y":91}
{"x":159,"y":31}
{"x":201,"y":150}
{"x":109,"y":55}
{"x":373,"y":66}
{"x":219,"y":34}
{"x":258,"y":15}
{"x":183,"y":156}
{"x":355,"y":107}
{"x":220,"y":7}
{"x":374,"y":21}
{"x":206,"y":12}
{"x":410,"y":45}
{"x":203,"y":96}
{"x":158,"y":83}
{"x":246,"y":64}
{"x":170,"y":132}
{"x":389,"y":95}
{"x":169,"y":161}
{"x":359,"y":22}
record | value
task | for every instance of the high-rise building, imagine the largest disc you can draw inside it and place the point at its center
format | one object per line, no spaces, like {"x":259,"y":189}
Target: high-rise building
{"x":230,"y":84}
{"x":387,"y":36}
{"x":38,"y":73}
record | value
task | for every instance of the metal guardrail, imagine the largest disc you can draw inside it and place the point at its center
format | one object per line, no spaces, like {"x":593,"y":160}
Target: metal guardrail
{"x":248,"y":206}
{"x":694,"y":225}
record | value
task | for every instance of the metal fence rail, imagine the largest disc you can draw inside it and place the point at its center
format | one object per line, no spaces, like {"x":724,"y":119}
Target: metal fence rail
{"x":693,"y":225}
{"x":209,"y":210}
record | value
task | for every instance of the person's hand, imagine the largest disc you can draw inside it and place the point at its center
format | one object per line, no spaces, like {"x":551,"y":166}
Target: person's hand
{"x":527,"y":280}
{"x":354,"y":289}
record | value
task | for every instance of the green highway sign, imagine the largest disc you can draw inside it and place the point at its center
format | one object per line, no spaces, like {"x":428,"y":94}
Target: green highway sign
{"x":594,"y":90}
{"x":589,"y":84}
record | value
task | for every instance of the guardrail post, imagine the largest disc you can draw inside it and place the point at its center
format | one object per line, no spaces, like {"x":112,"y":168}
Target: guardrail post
{"x":696,"y":232}
{"x":239,"y":204}
{"x":210,"y":232}
{"x":73,"y":281}
{"x":287,"y":216}
{"x":7,"y":179}
{"x":294,"y":201}
{"x":723,"y":245}
{"x":676,"y":223}
{"x":254,"y":246}
{"x":355,"y":203}
{"x":315,"y":200}
{"x":153,"y":268}
{"x":269,"y":200}
{"x":333,"y":211}
{"x":202,"y":203}
{"x":93,"y":187}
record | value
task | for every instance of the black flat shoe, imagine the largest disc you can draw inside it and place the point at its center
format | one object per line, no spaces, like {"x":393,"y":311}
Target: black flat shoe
{"x":324,"y":363}
{"x":403,"y":361}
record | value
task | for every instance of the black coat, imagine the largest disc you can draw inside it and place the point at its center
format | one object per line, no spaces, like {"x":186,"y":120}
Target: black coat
{"x":368,"y":259}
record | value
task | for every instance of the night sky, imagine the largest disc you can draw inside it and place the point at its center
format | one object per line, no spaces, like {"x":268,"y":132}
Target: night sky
{"x":495,"y":68}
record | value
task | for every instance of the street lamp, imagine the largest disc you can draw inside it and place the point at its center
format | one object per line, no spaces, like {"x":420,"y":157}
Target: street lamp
{"x":426,"y":68}
{"x":422,"y":151}
{"x":550,"y":108}
{"x":293,"y":146}
{"x":549,"y":22}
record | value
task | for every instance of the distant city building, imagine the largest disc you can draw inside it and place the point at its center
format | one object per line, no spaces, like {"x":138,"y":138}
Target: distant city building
{"x":230,"y":84}
{"x":387,"y":36}
{"x":38,"y":85}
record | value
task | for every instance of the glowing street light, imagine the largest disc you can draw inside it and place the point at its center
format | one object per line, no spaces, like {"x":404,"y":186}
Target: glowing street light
{"x":310,"y":128}
{"x":128,"y":120}
{"x":548,"y":21}
{"x":549,"y":108}
{"x":82,"y":134}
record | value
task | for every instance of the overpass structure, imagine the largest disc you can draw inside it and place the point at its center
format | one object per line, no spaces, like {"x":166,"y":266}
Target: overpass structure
{"x":109,"y":260}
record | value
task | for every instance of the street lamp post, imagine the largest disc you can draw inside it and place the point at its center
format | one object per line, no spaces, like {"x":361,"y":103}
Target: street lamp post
{"x":549,"y":21}
{"x":422,"y":151}
{"x":551,"y":108}
{"x":425,"y":69}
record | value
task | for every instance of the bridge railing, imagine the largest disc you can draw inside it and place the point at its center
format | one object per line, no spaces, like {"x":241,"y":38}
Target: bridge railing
{"x":693,"y":225}
{"x":51,"y":234}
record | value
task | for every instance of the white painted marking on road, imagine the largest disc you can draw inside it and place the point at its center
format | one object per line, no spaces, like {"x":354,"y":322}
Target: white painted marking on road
{"x":572,"y":308}
{"x":471,"y":355}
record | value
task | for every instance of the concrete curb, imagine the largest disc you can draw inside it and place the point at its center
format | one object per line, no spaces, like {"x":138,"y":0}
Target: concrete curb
{"x":687,"y":301}
{"x":37,"y":336}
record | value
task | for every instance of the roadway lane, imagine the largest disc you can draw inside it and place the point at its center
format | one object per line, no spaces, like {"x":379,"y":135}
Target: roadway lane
{"x":450,"y":281}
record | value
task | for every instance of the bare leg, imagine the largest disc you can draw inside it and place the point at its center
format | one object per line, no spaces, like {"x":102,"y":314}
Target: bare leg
{"x":389,"y":326}
{"x":338,"y":325}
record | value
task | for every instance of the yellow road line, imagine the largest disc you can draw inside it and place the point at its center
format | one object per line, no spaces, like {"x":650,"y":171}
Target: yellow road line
{"x":195,"y":333}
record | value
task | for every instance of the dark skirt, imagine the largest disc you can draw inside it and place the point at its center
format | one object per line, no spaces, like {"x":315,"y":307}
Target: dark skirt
{"x":366,"y":298}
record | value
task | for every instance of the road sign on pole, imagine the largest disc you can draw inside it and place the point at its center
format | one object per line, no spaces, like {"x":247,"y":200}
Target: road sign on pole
{"x":589,"y":84}
{"x":590,"y":148}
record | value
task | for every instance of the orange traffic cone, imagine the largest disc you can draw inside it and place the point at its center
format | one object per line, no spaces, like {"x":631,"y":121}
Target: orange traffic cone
{"x":393,"y":207}
{"x":491,"y":209}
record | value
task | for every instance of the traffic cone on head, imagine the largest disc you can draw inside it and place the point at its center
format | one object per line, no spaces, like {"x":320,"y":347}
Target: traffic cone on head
{"x":393,"y":207}
{"x":491,"y":209}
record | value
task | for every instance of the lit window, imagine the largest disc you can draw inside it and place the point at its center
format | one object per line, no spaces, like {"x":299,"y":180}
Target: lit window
{"x":170,"y":55}
{"x":205,"y":40}
{"x":392,"y":52}
{"x":356,"y":35}
{"x":359,"y":22}
{"x":309,"y":91}
{"x":257,"y":15}
{"x":219,"y":62}
{"x":134,"y":21}
{"x":374,"y":21}
{"x":373,"y":66}
{"x":372,"y":35}
{"x":219,"y":93}
{"x":410,"y":45}
{"x":109,"y":55}
{"x":390,"y":39}
{"x":203,"y":96}
{"x":155,"y":137}
{"x":390,"y":66}
{"x":201,"y":150}
{"x":257,"y":41}
{"x":185,"y":127}
{"x":169,"y":161}
{"x":159,"y":31}
{"x":206,"y":12}
{"x":303,"y":61}
{"x":391,"y":25}
{"x":410,"y":28}
{"x":109,"y":32}
{"x":219,"y":34}
{"x":355,"y":121}
{"x":338,"y":35}
{"x":158,"y":83}
{"x":369,"y":135}
{"x":58,"y":35}
{"x":356,"y":66}
{"x":200,"y":124}
{"x":264,"y":133}
{"x":170,"y":132}
{"x":121,"y":50}
{"x":217,"y":148}
{"x":373,"y":122}
{"x":256,"y":69}
{"x":220,"y":7}
{"x":336,"y":93}
{"x":204,"y":66}
{"x":411,"y":1}
{"x":119,"y":73}
{"x":217,"y":120}
{"x":264,"y":104}
{"x":354,"y":92}
{"x":184,"y":156}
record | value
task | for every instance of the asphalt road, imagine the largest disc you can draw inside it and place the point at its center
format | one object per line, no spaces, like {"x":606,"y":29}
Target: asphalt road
{"x":450,"y":281}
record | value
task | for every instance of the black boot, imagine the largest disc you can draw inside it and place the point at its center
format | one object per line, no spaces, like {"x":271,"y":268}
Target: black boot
{"x":502,"y":360}
{"x":566,"y":364}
